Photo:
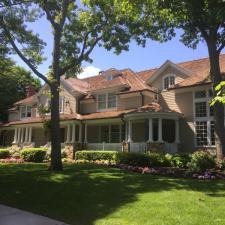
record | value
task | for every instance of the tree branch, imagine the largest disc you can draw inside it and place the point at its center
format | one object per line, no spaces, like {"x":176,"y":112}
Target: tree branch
{"x":49,"y":16}
{"x":77,"y":61}
{"x":32,"y":67}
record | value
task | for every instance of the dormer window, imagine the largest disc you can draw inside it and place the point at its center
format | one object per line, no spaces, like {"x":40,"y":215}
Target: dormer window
{"x":25,"y":111}
{"x":168,"y":81}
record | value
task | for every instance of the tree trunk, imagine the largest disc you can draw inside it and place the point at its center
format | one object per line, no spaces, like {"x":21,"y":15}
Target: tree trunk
{"x":56,"y":162}
{"x":218,"y":107}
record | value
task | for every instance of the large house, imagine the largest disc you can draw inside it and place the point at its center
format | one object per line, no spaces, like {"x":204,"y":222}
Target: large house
{"x":165,"y":109}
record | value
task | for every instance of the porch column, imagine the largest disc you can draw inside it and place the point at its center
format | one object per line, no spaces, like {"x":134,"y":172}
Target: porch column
{"x":177,"y":132}
{"x":26,"y":134}
{"x":21,"y":135}
{"x":15,"y":135}
{"x":150,"y":130}
{"x":74,"y":133}
{"x":68,"y":134}
{"x":121,"y":133}
{"x":18,"y":135}
{"x":85,"y":133}
{"x":80,"y":132}
{"x":160,"y":130}
{"x":129,"y":131}
{"x":30,"y":135}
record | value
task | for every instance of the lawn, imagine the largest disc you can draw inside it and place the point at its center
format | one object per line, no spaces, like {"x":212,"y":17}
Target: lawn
{"x":88,"y":194}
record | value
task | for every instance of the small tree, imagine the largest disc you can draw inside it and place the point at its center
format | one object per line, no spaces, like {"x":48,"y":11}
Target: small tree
{"x":77,"y":27}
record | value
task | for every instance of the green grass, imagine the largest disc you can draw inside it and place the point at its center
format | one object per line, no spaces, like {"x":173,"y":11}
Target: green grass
{"x":88,"y":194}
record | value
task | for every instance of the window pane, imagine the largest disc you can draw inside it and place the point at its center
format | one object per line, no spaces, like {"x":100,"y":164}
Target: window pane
{"x":212,"y":128}
{"x":200,"y":94}
{"x":105,"y":134}
{"x":111,"y":100}
{"x":23,"y":111}
{"x":101,"y":105}
{"x":102,"y":101}
{"x":102,"y":98}
{"x":201,"y":133}
{"x":28,"y":111}
{"x":115,"y":134}
{"x":166,"y":82}
{"x":211,"y":110}
{"x":200,"y":109}
{"x":172,"y":80}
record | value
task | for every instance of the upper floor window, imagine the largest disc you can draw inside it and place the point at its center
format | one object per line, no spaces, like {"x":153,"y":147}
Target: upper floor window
{"x":25,"y":111}
{"x":106,"y":101}
{"x":168,"y":81}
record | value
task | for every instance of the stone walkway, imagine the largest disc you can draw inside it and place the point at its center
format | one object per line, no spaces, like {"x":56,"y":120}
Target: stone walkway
{"x":12,"y":216}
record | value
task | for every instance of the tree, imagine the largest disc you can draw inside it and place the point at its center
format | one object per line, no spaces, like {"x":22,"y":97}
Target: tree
{"x":202,"y":20}
{"x":13,"y":83}
{"x":76,"y":28}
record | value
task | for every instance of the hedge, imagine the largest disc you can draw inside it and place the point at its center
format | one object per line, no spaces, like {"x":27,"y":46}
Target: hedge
{"x":4,"y":153}
{"x":33,"y":154}
{"x":90,"y":156}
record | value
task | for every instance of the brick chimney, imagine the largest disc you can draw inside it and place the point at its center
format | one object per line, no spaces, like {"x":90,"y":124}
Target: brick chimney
{"x":30,"y":90}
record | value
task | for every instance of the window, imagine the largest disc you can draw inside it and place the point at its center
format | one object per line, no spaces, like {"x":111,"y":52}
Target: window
{"x":61,"y":104}
{"x":203,"y":116}
{"x":25,"y":111}
{"x":115,"y":134}
{"x":201,"y":133}
{"x":200,"y":109}
{"x":169,"y":81}
{"x":106,"y":101}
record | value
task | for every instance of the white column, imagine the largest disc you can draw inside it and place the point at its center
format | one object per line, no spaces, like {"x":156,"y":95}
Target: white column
{"x":129,"y":131}
{"x":85,"y":133}
{"x":150,"y":130}
{"x":80,"y":132}
{"x":15,"y":135}
{"x":26,"y":134}
{"x":18,"y":135}
{"x":74,"y":133}
{"x":22,"y":134}
{"x":68,"y":134}
{"x":30,"y":135}
{"x":160,"y":130}
{"x":177,"y":132}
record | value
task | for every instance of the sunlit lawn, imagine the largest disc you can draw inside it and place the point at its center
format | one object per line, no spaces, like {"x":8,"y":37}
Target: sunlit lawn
{"x":87,"y":194}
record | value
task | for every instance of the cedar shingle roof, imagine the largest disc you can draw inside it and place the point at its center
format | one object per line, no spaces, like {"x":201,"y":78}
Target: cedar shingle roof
{"x":28,"y":100}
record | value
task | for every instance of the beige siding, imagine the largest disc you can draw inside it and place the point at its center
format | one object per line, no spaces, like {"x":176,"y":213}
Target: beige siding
{"x":86,"y":108}
{"x":14,"y":116}
{"x":167,"y":100}
{"x":129,"y":103}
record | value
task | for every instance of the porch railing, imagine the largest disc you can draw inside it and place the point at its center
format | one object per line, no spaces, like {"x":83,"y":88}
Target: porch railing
{"x":104,"y":146}
{"x":138,"y":147}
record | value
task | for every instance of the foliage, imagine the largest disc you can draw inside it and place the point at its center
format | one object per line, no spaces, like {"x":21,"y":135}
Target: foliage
{"x":201,"y":161}
{"x":156,"y":159}
{"x":33,"y":154}
{"x":4,"y":153}
{"x":134,"y":159}
{"x":13,"y":83}
{"x":180,"y":160}
{"x":220,"y":93}
{"x":90,"y":156}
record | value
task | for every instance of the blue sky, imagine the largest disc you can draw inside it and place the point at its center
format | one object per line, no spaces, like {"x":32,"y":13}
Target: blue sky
{"x":137,"y":58}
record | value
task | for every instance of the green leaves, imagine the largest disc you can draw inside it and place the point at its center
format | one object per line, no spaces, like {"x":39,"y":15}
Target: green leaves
{"x":220,"y":94}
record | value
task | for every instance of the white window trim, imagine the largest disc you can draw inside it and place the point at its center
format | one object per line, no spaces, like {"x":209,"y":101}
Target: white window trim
{"x":48,"y":102}
{"x":168,"y":76}
{"x":107,"y":105}
{"x":208,"y":118}
{"x":26,"y":106}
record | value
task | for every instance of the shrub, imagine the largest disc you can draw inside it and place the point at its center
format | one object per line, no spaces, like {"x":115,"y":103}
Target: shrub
{"x":33,"y":154}
{"x":90,"y":156}
{"x":201,"y":161}
{"x":156,"y":159}
{"x":133,"y":159}
{"x":180,"y":160}
{"x":4,"y":153}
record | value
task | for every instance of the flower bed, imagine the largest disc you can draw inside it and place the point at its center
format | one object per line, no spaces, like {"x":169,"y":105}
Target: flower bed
{"x":12,"y":160}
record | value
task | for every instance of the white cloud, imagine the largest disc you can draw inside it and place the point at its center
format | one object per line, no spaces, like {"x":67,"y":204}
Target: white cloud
{"x":89,"y":71}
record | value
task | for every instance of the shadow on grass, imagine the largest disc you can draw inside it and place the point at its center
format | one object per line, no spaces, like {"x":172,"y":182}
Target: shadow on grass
{"x":81,"y":194}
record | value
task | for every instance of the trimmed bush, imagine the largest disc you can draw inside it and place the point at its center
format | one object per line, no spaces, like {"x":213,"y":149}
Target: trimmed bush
{"x":133,"y":159}
{"x":201,"y":161}
{"x":4,"y":153}
{"x":180,"y":160}
{"x":92,"y":156}
{"x":33,"y":154}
